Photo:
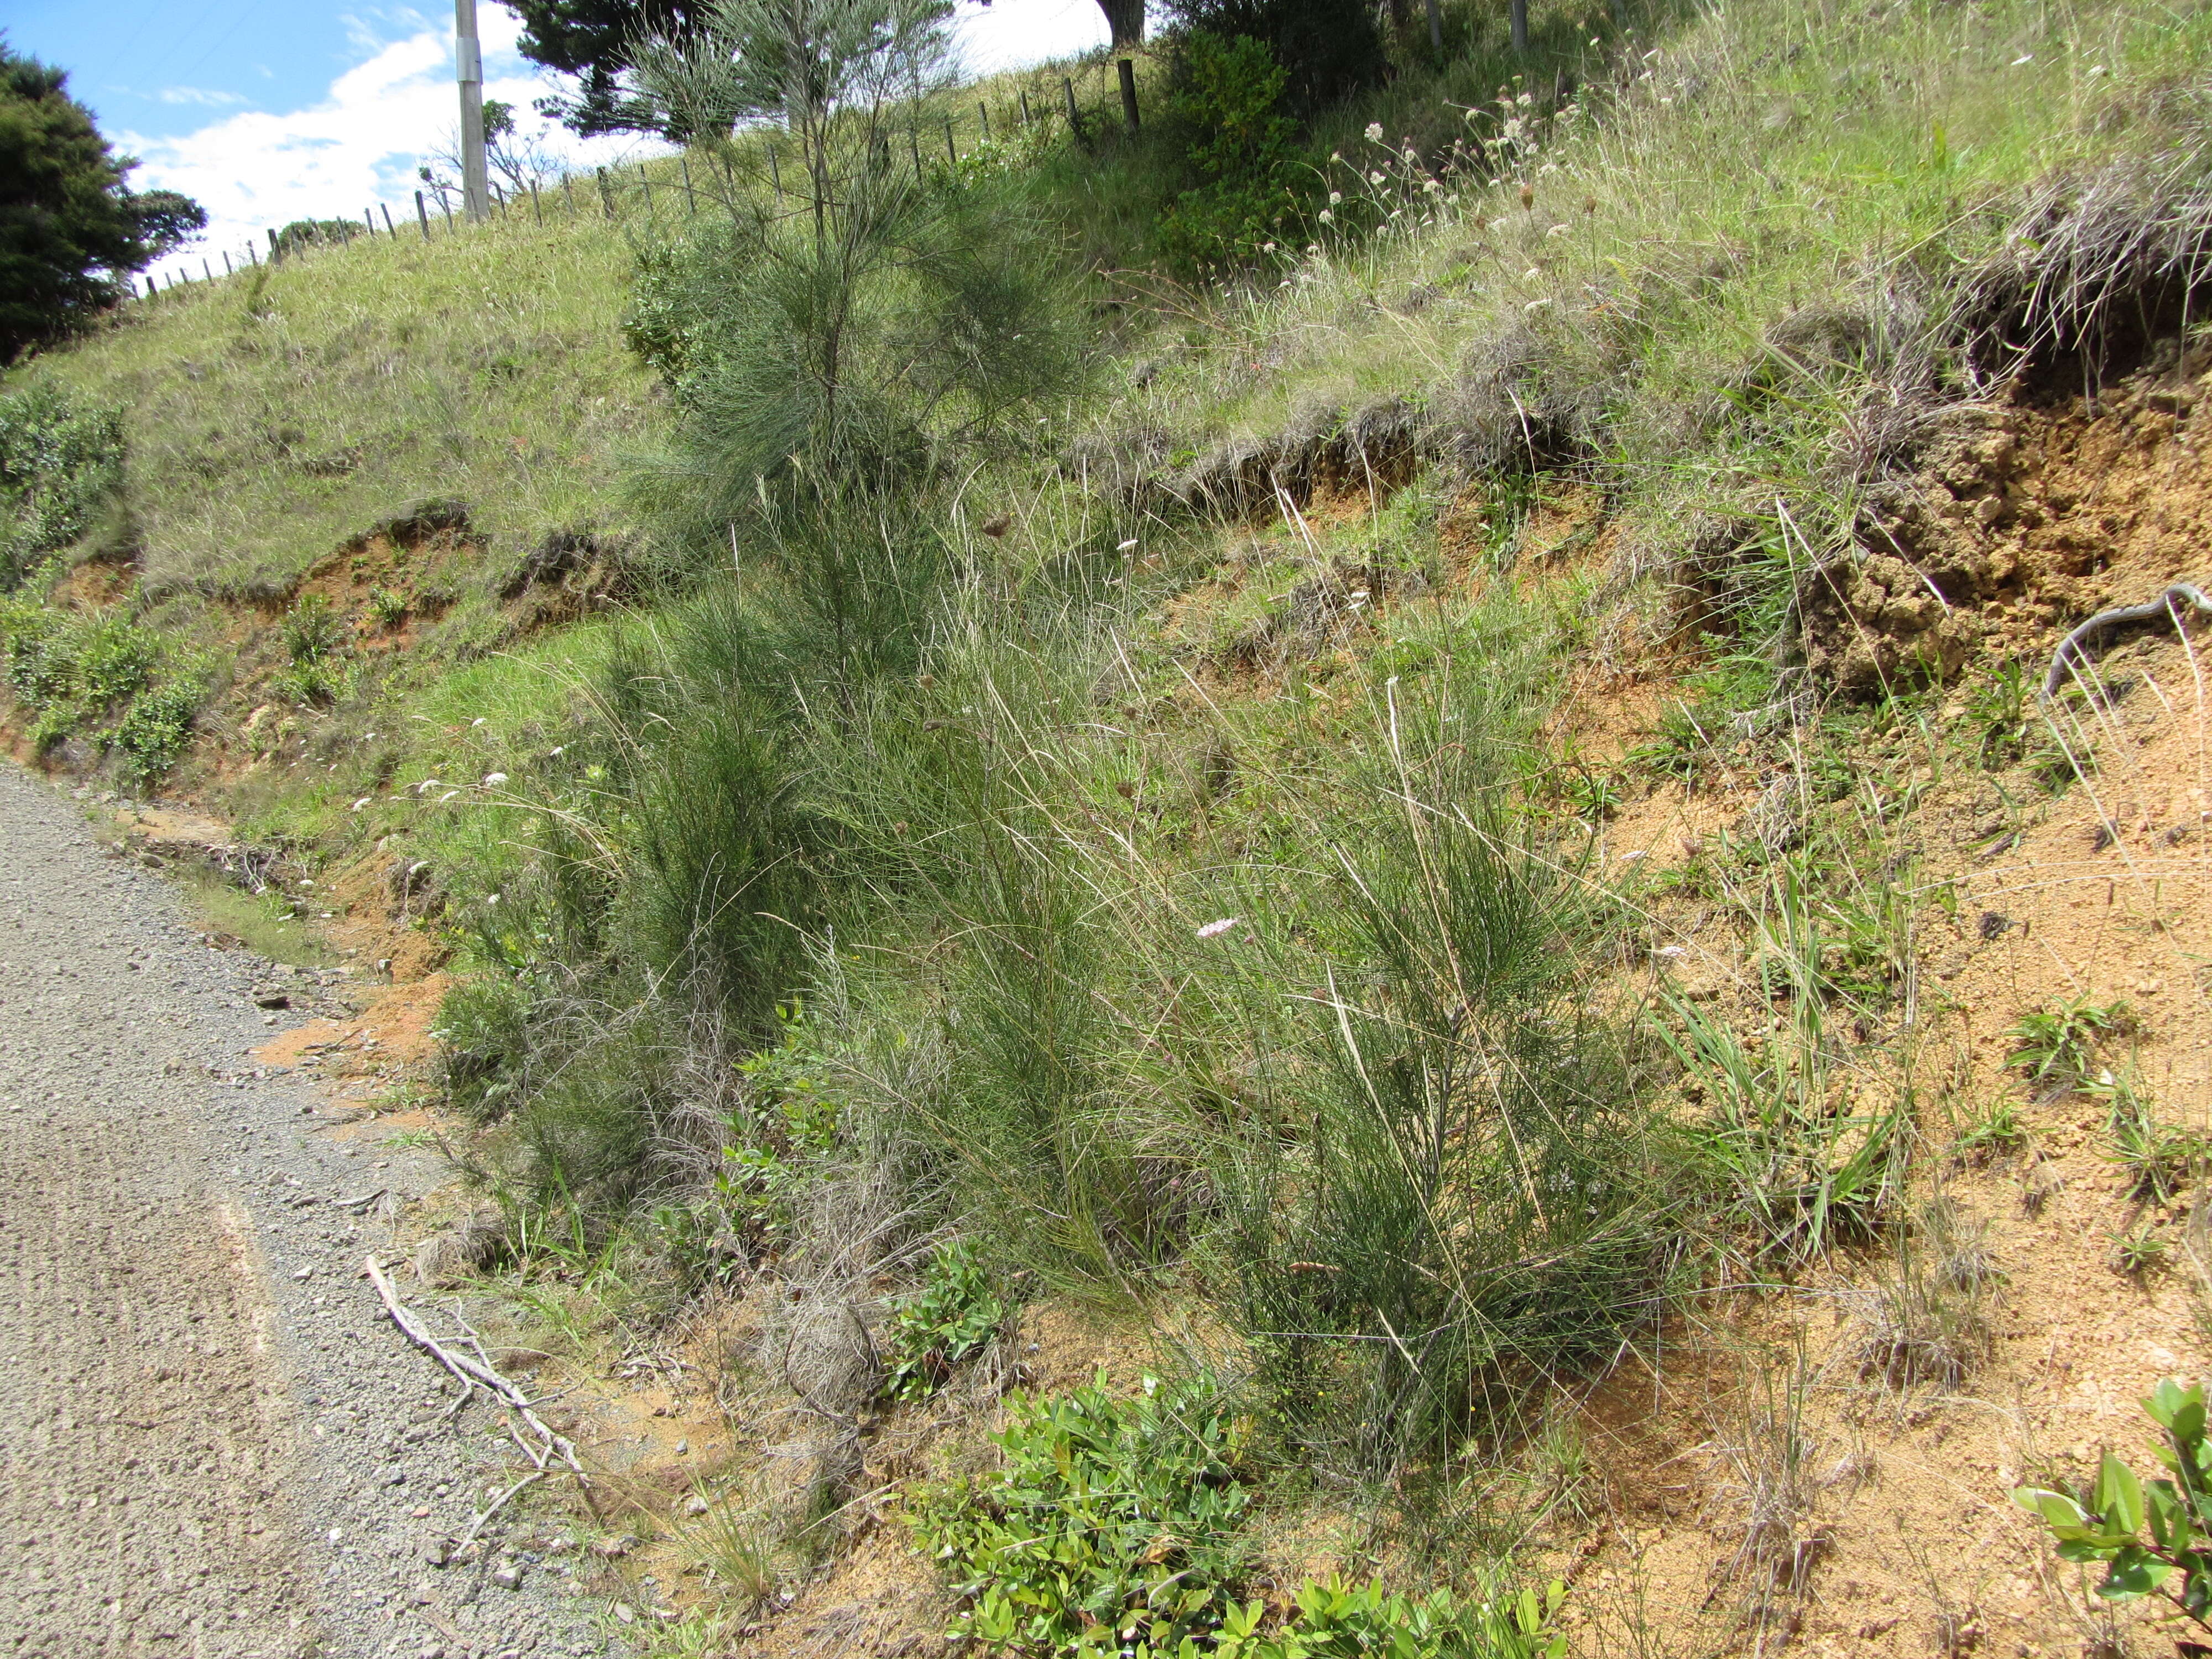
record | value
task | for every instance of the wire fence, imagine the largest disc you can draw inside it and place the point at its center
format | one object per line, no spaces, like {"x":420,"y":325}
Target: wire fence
{"x":669,"y":187}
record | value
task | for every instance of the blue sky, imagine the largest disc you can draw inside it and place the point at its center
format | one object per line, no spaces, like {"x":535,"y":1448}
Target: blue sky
{"x":267,"y":111}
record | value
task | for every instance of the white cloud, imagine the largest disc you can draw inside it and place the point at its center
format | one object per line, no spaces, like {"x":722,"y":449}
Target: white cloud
{"x":357,"y":147}
{"x":198,"y":95}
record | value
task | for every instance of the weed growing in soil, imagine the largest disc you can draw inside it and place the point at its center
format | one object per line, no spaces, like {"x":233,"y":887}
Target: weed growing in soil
{"x":1116,"y":1527}
{"x":948,"y":1321}
{"x":2151,"y":1538}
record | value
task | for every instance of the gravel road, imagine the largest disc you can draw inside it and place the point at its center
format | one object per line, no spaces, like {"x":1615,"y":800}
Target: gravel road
{"x":211,"y":1442}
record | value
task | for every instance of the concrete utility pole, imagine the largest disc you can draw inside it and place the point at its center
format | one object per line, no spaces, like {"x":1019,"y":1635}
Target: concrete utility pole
{"x":475,"y":191}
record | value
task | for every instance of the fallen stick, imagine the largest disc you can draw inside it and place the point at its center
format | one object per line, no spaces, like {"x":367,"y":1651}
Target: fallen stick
{"x":2166,"y":610}
{"x":480,"y":1374}
{"x":496,"y":1506}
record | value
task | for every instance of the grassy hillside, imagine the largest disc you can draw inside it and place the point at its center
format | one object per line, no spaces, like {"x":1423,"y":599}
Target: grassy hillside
{"x":1429,"y":940}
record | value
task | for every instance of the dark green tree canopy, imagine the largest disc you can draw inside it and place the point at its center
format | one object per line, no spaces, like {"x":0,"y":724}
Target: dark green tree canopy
{"x":69,"y":228}
{"x":592,"y":40}
{"x":1328,"y":49}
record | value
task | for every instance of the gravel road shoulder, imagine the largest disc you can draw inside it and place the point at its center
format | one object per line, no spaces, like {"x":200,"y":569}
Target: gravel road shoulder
{"x":212,"y":1441}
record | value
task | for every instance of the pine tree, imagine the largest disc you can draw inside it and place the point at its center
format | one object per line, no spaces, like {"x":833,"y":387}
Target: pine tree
{"x":69,"y":228}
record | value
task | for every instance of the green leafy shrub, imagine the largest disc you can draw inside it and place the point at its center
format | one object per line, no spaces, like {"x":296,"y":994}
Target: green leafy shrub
{"x":1336,"y":1619}
{"x":1114,"y":1524}
{"x":60,"y":461}
{"x":2155,"y":1539}
{"x":102,"y":674}
{"x":1229,"y":99}
{"x":1326,"y":49}
{"x":114,"y":661}
{"x":483,"y":1039}
{"x":155,"y":728}
{"x":949,"y":1321}
{"x":1114,"y":1528}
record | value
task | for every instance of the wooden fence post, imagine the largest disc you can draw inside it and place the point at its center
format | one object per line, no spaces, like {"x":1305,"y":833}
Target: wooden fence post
{"x":422,"y":213}
{"x":568,"y":189}
{"x":1127,"y":71}
{"x":253,"y":253}
{"x":644,"y":180}
{"x":389,"y":230}
{"x":951,"y":148}
{"x":537,"y":211}
{"x":984,"y":109}
{"x":1074,"y":121}
{"x":606,"y":196}
{"x":226,"y":262}
{"x":276,"y":249}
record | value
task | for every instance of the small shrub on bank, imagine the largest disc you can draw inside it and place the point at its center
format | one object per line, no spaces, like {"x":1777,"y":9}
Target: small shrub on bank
{"x":951,"y":1319}
{"x":60,"y":461}
{"x":1115,"y":1527}
{"x":2153,"y":1539}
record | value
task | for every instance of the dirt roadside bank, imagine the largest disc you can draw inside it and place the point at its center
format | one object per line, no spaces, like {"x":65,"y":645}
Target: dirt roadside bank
{"x":211,"y":1442}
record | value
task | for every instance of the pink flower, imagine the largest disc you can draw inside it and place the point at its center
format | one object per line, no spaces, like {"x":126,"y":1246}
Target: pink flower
{"x":1216,"y":929}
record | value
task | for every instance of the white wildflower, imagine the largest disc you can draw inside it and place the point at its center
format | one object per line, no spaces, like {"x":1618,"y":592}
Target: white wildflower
{"x":1216,"y":929}
{"x":1335,"y":197}
{"x":493,"y":780}
{"x":1376,"y":177}
{"x":1326,"y":216}
{"x":1373,"y":132}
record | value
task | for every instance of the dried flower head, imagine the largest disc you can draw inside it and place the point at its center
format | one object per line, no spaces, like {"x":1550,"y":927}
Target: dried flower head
{"x":1527,"y":196}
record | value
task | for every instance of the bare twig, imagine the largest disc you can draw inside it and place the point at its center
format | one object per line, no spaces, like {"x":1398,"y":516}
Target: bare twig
{"x":496,"y":1506}
{"x":480,"y":1373}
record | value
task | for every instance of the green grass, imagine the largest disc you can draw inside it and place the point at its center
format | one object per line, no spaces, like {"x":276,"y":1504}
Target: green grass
{"x":264,"y":924}
{"x":1702,"y":204}
{"x":271,"y":417}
